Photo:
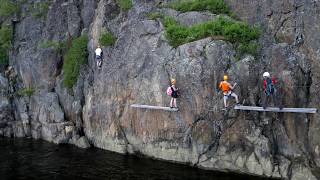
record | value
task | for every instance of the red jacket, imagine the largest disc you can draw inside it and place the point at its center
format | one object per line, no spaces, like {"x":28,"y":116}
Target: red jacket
{"x":274,"y":81}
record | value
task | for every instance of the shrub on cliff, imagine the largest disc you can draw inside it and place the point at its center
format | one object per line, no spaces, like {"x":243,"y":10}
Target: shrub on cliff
{"x":74,"y":58}
{"x":247,"y":48}
{"x":7,"y":8}
{"x":238,"y":33}
{"x":155,"y":16}
{"x":125,"y":5}
{"x":5,"y":43}
{"x":26,"y":92}
{"x":107,"y":39}
{"x":233,"y":31}
{"x":214,"y":6}
{"x":40,"y":9}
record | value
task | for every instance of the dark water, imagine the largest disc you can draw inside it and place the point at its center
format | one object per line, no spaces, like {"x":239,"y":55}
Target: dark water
{"x":30,"y":159}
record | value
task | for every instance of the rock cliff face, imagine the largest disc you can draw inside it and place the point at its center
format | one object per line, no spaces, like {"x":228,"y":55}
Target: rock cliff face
{"x":137,"y":70}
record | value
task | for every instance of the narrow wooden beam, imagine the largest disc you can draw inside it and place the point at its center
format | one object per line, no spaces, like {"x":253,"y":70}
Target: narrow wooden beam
{"x":154,"y":107}
{"x":276,"y":109}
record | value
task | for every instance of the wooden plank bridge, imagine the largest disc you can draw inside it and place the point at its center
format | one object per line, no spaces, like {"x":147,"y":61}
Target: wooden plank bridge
{"x":238,"y":107}
{"x":154,"y":107}
{"x":276,"y":109}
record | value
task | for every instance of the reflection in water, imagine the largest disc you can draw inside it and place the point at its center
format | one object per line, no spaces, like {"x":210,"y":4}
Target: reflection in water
{"x":30,"y":159}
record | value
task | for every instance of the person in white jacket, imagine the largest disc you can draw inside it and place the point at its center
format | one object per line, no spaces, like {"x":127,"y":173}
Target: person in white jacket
{"x":99,"y":54}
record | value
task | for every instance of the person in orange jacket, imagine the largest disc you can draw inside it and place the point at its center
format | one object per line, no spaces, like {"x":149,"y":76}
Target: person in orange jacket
{"x":227,"y":88}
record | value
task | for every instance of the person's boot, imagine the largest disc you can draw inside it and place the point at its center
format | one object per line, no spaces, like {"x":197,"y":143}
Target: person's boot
{"x":280,"y":107}
{"x":225,"y":108}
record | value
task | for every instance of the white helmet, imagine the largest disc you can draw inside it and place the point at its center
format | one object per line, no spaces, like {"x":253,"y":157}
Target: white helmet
{"x":266,"y":74}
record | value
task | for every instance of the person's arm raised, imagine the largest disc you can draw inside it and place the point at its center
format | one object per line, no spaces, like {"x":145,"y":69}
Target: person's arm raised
{"x":234,"y":85}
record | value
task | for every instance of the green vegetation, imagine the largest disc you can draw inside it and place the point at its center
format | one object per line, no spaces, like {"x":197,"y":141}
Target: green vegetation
{"x":240,"y":34}
{"x":107,"y":39}
{"x":214,"y":6}
{"x":5,"y":44}
{"x":125,"y":5}
{"x":247,"y":48}
{"x":7,"y":8}
{"x":26,"y":92}
{"x":74,"y":58}
{"x":40,"y":9}
{"x":56,"y":45}
{"x":155,"y":16}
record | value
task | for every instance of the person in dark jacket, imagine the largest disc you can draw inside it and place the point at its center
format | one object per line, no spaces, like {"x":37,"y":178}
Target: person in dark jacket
{"x":269,"y":90}
{"x":174,"y":94}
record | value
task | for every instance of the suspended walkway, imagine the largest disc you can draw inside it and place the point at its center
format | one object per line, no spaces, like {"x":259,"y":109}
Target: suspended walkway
{"x":243,"y":108}
{"x":276,"y":109}
{"x":154,"y":107}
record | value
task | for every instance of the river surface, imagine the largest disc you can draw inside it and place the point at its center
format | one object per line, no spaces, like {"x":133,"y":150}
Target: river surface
{"x":35,"y":159}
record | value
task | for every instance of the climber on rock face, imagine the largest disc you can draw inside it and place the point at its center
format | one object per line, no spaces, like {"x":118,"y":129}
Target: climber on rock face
{"x":227,"y":88}
{"x":269,"y":90}
{"x":98,"y":56}
{"x":173,"y":92}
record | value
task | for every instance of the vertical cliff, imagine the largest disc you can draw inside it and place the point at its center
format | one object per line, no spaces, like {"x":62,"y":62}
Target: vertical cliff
{"x":137,"y":69}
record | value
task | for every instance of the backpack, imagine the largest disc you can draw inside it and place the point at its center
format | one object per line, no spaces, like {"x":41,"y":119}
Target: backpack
{"x":169,"y":91}
{"x":269,"y":87}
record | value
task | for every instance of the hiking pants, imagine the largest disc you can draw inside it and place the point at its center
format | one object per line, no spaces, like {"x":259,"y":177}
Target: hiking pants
{"x":99,"y":60}
{"x":276,"y":100}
